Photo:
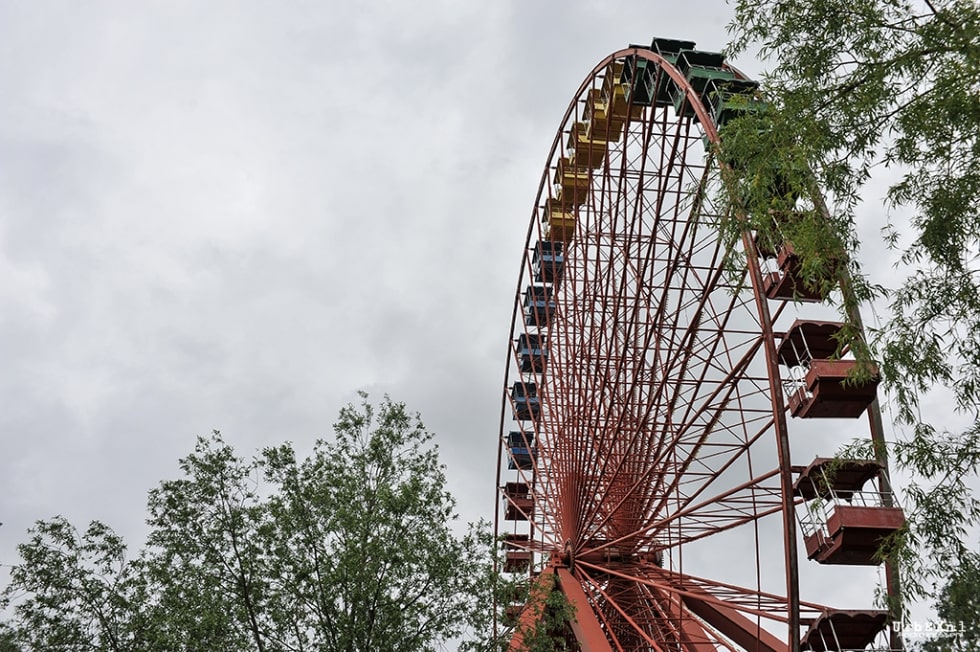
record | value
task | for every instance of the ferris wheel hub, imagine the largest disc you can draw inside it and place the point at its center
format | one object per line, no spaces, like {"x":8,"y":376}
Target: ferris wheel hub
{"x":567,"y":556}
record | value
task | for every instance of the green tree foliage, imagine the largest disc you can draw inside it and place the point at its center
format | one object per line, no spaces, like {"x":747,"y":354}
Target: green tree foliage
{"x":351,"y":548}
{"x":551,"y":618}
{"x":204,"y":560}
{"x":856,"y":87}
{"x":959,"y":610}
{"x":79,"y":587}
{"x":7,"y":640}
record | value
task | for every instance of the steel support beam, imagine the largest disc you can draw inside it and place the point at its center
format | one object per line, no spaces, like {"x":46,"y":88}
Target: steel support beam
{"x":588,"y":632}
{"x":734,"y":625}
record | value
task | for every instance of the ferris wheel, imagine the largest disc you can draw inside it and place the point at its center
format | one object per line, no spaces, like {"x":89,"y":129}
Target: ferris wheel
{"x":657,"y":371}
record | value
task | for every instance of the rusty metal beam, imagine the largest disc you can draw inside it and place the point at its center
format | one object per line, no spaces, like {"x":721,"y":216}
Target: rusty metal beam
{"x":695,"y":638}
{"x":588,"y":632}
{"x":533,"y":610}
{"x":734,"y":625}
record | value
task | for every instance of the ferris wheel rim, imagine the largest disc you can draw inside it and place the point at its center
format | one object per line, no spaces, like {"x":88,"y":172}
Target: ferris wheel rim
{"x":767,"y":337}
{"x":707,"y":126}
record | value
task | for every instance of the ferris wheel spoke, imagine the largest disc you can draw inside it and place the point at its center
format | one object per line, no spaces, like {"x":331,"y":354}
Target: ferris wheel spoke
{"x":690,"y":439}
{"x":749,"y":602}
{"x":622,"y":622}
{"x":651,"y":404}
{"x":643,"y":477}
{"x":743,"y":504}
{"x":687,"y":615}
{"x":755,"y":499}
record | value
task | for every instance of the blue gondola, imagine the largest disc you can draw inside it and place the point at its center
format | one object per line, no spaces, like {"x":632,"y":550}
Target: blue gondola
{"x":526,"y":402}
{"x":548,"y":261}
{"x":523,"y":453}
{"x":539,"y":306}
{"x":532,"y":351}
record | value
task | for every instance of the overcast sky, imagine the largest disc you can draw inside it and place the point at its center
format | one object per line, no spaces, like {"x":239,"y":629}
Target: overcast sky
{"x":235,"y":215}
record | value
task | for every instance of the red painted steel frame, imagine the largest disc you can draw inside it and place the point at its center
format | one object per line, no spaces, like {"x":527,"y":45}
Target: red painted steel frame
{"x":663,"y":420}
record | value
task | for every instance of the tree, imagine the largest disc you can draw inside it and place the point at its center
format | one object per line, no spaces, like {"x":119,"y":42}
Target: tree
{"x":546,"y":627}
{"x":351,"y":548}
{"x":79,"y":589}
{"x":857,"y":86}
{"x":362,"y":535}
{"x":203,"y":563}
{"x":959,"y":610}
